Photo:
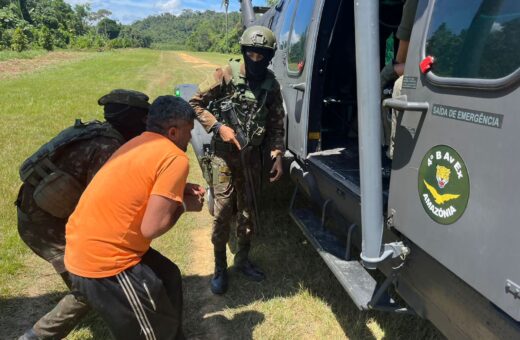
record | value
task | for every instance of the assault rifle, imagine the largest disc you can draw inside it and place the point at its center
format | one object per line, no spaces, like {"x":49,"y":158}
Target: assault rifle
{"x":229,"y":115}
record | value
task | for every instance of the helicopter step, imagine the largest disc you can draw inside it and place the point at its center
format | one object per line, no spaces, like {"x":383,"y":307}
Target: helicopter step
{"x":354,"y":278}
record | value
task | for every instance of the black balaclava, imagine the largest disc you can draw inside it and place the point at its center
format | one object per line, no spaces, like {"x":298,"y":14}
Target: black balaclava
{"x":256,"y":71}
{"x":129,"y":121}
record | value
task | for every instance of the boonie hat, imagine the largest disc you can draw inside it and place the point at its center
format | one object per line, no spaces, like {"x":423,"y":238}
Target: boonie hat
{"x":126,"y":97}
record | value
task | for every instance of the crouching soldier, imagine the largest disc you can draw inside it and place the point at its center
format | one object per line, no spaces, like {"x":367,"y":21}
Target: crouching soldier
{"x":136,"y":197}
{"x":54,"y":179}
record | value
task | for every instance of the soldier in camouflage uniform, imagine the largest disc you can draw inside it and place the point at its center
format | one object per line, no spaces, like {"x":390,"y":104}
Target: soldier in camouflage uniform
{"x":393,"y":73}
{"x":41,"y":220}
{"x":255,"y":96}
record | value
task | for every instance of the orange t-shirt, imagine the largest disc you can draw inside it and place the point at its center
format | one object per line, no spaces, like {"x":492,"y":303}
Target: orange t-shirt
{"x":104,"y":232}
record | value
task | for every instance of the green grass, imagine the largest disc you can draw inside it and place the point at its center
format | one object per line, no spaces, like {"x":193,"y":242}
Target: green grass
{"x":37,"y":106}
{"x":167,"y":46}
{"x":301,"y":299}
{"x":6,"y":55}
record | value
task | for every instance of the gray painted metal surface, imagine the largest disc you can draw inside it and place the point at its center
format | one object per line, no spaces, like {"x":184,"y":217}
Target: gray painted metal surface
{"x":369,"y":118}
{"x":248,"y":14}
{"x":482,"y":246}
{"x":353,"y":277}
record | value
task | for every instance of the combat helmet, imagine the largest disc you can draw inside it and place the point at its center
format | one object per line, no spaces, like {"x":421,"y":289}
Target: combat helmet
{"x":259,"y":37}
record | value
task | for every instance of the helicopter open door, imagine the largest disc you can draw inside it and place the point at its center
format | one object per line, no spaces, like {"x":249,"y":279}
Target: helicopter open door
{"x":295,"y":39}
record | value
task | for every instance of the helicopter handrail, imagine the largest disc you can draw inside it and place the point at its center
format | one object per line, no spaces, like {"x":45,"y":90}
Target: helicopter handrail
{"x":402,"y":104}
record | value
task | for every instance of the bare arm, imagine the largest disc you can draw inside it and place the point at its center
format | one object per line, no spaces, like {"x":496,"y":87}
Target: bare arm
{"x":400,"y":57}
{"x":160,"y":215}
{"x":402,"y":51}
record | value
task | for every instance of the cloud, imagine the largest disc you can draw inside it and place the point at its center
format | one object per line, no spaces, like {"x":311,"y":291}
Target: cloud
{"x":128,"y":11}
{"x":129,"y":4}
{"x":76,"y":2}
{"x":169,"y":6}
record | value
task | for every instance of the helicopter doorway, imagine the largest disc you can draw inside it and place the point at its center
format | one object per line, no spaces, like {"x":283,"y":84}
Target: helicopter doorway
{"x":333,"y":104}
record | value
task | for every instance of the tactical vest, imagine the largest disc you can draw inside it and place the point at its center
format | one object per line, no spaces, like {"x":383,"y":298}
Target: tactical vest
{"x":249,"y":105}
{"x":56,"y":191}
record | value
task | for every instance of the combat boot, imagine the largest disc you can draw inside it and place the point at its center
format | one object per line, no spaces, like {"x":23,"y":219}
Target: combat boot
{"x":245,"y":266}
{"x":219,"y":282}
{"x":29,"y":335}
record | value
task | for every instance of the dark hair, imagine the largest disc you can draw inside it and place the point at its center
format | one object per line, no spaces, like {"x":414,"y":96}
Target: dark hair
{"x":165,"y":111}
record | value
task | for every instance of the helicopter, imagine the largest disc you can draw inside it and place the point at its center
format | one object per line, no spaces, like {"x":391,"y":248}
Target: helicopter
{"x":438,"y":219}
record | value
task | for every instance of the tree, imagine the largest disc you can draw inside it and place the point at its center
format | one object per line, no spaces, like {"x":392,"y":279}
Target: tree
{"x":24,"y":11}
{"x":109,"y":28}
{"x":100,"y":14}
{"x":225,"y":3}
{"x":272,"y":2}
{"x":82,"y":13}
{"x":46,"y":39}
{"x":20,"y":42}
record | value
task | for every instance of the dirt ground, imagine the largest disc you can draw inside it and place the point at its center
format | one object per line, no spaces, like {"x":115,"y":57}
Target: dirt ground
{"x":30,"y":304}
{"x":204,"y":303}
{"x":197,"y":61}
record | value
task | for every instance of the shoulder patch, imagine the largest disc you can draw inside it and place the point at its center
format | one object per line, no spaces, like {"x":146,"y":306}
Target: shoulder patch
{"x":228,"y":74}
{"x":211,"y":81}
{"x":218,"y":75}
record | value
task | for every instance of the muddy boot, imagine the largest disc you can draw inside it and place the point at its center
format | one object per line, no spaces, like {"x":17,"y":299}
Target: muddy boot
{"x":219,"y":282}
{"x":243,"y":265}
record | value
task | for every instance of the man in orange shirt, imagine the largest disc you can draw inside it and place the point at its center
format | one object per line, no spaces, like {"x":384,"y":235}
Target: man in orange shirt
{"x":137,"y":196}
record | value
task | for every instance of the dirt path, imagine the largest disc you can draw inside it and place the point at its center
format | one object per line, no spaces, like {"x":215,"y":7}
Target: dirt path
{"x":13,"y":67}
{"x":159,"y":78}
{"x":205,"y":308}
{"x":197,"y":61}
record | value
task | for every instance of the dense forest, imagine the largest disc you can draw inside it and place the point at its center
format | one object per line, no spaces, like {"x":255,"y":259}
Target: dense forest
{"x":49,"y":24}
{"x":197,"y":31}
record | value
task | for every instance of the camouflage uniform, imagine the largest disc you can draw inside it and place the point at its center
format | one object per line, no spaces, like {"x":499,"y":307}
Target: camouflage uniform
{"x":388,"y":74}
{"x":45,"y":233}
{"x":228,"y":181}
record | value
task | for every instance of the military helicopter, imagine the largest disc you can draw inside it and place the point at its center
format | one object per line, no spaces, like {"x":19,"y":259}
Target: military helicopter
{"x":439,"y":220}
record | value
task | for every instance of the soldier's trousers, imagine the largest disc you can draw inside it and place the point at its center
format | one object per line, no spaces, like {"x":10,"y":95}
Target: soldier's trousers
{"x":390,"y":119}
{"x":230,"y":196}
{"x":45,"y":235}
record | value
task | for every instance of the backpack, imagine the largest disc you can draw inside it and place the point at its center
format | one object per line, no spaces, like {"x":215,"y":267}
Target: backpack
{"x":56,"y":191}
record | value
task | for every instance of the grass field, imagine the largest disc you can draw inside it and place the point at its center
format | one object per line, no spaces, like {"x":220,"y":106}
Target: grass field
{"x":5,"y":55}
{"x":300,"y":299}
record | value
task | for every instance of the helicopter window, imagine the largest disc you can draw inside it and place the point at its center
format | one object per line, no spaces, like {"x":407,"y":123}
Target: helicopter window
{"x":286,"y":28}
{"x":475,"y":38}
{"x":298,"y":37}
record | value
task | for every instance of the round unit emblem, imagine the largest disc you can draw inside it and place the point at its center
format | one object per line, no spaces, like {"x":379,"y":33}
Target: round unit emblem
{"x":443,"y":184}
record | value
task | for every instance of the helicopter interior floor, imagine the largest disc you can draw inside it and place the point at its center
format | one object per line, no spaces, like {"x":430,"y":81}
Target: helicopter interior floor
{"x":343,"y":163}
{"x":337,"y":151}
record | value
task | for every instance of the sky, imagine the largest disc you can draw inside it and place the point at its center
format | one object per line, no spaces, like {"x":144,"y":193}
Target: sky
{"x":128,"y":11}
